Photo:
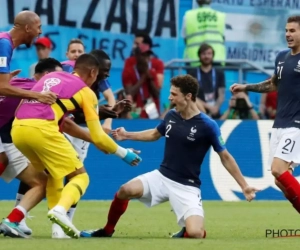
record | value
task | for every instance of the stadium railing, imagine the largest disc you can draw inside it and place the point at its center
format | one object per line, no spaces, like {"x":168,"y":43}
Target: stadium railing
{"x":237,"y":72}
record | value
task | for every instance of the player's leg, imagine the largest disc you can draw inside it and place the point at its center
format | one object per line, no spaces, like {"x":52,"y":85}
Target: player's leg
{"x":61,"y":160}
{"x":187,"y":205}
{"x":282,"y":188}
{"x":23,"y":188}
{"x":18,"y":167}
{"x":287,"y":153}
{"x":71,"y":194}
{"x":3,"y":158}
{"x":130,"y":190}
{"x":147,"y":188}
{"x":53,"y":194}
{"x":81,"y":148}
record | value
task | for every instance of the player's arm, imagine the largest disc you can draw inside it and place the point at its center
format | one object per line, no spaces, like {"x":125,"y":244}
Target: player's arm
{"x":263,"y":87}
{"x":121,"y":134}
{"x":231,"y":166}
{"x":154,"y":134}
{"x":111,"y":101}
{"x":72,"y":129}
{"x":8,"y":90}
{"x":229,"y":162}
{"x":100,"y":139}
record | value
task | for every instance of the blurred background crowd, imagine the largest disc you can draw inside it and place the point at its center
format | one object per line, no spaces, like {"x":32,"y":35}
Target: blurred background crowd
{"x":219,"y":43}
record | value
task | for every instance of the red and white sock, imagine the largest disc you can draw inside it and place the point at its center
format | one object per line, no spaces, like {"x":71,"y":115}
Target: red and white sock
{"x":292,"y":188}
{"x":17,"y":214}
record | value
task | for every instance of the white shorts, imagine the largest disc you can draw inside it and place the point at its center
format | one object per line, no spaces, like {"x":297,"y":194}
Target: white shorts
{"x":185,"y":200}
{"x":285,"y":145}
{"x":1,"y":146}
{"x":79,"y":145}
{"x":17,"y":162}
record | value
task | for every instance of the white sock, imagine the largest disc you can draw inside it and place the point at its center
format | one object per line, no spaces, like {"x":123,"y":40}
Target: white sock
{"x":60,"y":209}
{"x":19,"y":197}
{"x":71,"y":213}
{"x":22,"y":209}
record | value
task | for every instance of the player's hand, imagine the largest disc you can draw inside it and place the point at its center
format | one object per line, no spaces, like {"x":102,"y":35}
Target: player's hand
{"x":47,"y":97}
{"x":105,"y":112}
{"x":14,"y":73}
{"x":249,"y":193}
{"x":135,"y":162}
{"x":119,"y":134}
{"x":132,"y":157}
{"x":124,"y":105}
{"x":235,"y":88}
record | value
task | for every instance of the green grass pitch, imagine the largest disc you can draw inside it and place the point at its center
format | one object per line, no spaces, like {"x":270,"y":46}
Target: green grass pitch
{"x":229,"y":225}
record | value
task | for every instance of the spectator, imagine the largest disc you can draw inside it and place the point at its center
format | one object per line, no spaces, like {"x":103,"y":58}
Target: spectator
{"x":240,"y":107}
{"x":140,"y":81}
{"x":155,"y":63}
{"x":268,"y":105}
{"x":43,"y":47}
{"x":204,"y":25}
{"x":121,"y":95}
{"x":75,"y":49}
{"x":211,"y":82}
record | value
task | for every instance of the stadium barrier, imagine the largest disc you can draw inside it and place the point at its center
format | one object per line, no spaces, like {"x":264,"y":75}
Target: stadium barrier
{"x":247,"y":141}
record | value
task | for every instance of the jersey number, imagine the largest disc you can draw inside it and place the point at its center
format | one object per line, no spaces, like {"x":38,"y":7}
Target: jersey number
{"x":168,"y":128}
{"x":287,"y":148}
{"x":207,"y":17}
{"x":279,"y":71}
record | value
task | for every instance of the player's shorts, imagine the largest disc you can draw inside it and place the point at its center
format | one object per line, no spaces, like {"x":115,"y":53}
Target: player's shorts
{"x":185,"y":200}
{"x":1,"y":146}
{"x":79,"y":145}
{"x":285,"y":145}
{"x":46,"y":150}
{"x":17,"y":162}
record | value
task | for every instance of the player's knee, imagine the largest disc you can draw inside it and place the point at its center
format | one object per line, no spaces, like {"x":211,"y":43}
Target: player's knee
{"x":126,"y":191}
{"x":196,"y":233}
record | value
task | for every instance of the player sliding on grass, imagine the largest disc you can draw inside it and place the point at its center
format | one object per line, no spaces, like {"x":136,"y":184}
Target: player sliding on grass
{"x":189,"y":135}
{"x":285,"y":138}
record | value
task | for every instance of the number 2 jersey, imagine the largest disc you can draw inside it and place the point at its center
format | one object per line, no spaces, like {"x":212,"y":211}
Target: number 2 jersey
{"x":287,"y":72}
{"x":187,"y":142}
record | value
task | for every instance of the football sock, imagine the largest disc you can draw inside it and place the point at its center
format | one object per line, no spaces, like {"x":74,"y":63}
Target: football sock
{"x":53,"y":191}
{"x":117,"y":208}
{"x":292,"y":188}
{"x":71,"y":212}
{"x":23,"y":188}
{"x":17,"y":214}
{"x":185,"y":235}
{"x":72,"y":192}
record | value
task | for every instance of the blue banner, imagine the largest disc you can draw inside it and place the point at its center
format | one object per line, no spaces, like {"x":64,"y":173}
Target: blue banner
{"x":108,"y":25}
{"x":247,"y":141}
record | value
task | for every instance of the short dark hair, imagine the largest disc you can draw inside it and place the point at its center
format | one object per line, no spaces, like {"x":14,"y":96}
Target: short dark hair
{"x":86,"y":61}
{"x":186,"y":84}
{"x":204,"y":47}
{"x":294,"y":19}
{"x":146,"y":38}
{"x":47,"y":64}
{"x":100,"y":55}
{"x":75,"y":40}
